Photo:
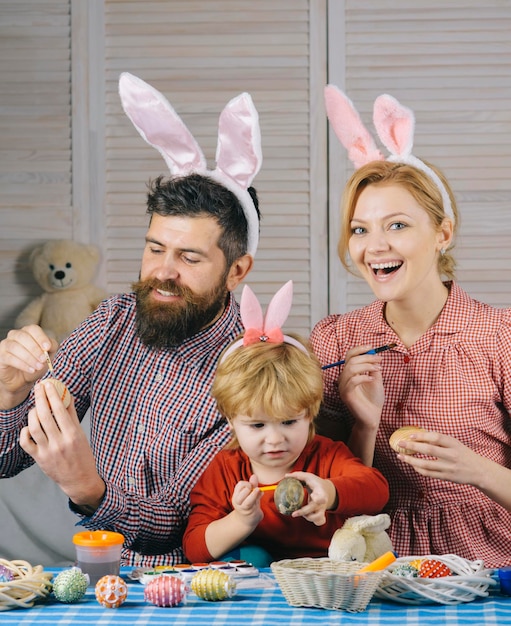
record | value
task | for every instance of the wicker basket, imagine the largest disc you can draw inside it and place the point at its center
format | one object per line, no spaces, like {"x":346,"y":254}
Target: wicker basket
{"x":469,"y":580}
{"x":326,"y":584}
{"x":28,"y":585}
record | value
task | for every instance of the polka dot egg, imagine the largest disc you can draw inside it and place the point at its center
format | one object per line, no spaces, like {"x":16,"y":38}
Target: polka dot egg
{"x":431,"y":568}
{"x":111,"y":591}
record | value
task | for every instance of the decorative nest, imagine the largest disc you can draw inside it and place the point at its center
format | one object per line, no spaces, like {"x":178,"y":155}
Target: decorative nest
{"x":22,"y":585}
{"x":325,"y":583}
{"x":465,"y":580}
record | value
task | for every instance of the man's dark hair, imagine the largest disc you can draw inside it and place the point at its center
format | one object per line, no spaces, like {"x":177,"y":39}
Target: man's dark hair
{"x":199,"y":196}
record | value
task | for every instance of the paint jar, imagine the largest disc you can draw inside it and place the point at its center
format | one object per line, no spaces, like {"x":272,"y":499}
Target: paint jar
{"x":505,"y":580}
{"x":98,"y":553}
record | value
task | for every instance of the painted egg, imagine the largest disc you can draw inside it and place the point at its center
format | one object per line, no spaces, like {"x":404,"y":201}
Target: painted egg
{"x":6,"y":575}
{"x":213,"y":585}
{"x":62,"y":390}
{"x":431,"y":568}
{"x":406,"y":571}
{"x":166,"y":590}
{"x":402,"y":434}
{"x":111,"y":591}
{"x":70,"y":585}
{"x":289,"y":495}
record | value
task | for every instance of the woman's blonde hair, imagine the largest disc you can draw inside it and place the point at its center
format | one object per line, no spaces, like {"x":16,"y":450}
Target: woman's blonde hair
{"x":277,"y":378}
{"x":417,"y":183}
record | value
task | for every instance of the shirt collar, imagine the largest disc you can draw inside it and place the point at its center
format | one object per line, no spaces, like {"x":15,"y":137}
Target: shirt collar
{"x":214,"y":338}
{"x":454,"y":316}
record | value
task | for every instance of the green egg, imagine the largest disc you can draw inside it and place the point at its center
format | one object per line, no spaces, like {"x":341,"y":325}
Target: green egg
{"x":70,"y":585}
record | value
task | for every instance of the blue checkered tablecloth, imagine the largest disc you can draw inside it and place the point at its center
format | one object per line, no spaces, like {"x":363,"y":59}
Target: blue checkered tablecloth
{"x":260,"y":607}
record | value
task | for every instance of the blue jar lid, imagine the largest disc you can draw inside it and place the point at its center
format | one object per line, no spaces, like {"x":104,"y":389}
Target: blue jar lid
{"x":505,"y":580}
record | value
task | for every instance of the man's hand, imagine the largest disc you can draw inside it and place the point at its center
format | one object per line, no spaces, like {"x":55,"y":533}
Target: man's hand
{"x":22,"y":362}
{"x":56,"y":441}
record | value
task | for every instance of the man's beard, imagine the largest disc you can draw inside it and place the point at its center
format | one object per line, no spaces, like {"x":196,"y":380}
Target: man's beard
{"x":167,"y":324}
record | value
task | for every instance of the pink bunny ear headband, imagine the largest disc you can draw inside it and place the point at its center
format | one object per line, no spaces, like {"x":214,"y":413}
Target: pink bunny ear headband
{"x":395,"y":126}
{"x":238,"y":154}
{"x":269,"y":328}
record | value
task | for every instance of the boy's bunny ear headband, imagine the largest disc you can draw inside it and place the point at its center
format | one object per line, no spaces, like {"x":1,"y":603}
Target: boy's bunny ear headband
{"x":269,"y":328}
{"x":395,"y":126}
{"x":238,"y":153}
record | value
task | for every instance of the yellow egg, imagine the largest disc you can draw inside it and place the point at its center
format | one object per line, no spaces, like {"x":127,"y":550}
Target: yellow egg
{"x":213,"y":585}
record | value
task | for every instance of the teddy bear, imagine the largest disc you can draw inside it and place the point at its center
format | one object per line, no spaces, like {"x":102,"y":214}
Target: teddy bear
{"x":361,"y":538}
{"x":64,"y":269}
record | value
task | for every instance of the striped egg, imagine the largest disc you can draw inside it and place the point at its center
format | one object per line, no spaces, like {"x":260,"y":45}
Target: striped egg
{"x":166,"y":590}
{"x":213,"y":585}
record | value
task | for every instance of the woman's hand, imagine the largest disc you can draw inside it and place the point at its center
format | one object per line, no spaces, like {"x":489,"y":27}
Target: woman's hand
{"x":446,"y":458}
{"x":442,"y":457}
{"x":361,"y":386}
{"x":361,"y":389}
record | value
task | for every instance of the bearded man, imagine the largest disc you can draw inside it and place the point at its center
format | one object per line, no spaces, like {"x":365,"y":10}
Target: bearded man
{"x":143,"y":363}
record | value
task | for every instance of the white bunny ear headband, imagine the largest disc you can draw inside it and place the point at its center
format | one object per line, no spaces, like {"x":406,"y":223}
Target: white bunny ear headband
{"x":395,"y":126}
{"x":238,"y":154}
{"x":267,"y":329}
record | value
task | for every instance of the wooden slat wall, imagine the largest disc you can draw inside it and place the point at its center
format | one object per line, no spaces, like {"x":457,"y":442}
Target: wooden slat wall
{"x":201,"y":54}
{"x":35,"y":145}
{"x":450,"y":61}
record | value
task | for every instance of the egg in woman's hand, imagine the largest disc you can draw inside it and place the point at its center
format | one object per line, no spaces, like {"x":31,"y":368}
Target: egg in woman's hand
{"x":403,"y":434}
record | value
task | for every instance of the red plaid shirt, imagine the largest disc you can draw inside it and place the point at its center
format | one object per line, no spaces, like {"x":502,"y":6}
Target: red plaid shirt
{"x":154,"y":425}
{"x":455,"y":379}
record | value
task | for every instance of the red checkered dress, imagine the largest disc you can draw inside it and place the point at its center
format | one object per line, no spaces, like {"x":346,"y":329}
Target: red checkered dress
{"x":455,"y":379}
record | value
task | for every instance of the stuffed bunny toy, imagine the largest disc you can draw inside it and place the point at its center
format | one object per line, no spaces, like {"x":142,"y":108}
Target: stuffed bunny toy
{"x":361,"y":538}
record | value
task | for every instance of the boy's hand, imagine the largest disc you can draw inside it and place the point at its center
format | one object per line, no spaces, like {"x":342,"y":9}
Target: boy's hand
{"x":246,"y":500}
{"x":322,"y":497}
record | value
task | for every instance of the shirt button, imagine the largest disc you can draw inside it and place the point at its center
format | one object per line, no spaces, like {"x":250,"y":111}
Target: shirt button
{"x":406,"y":358}
{"x":399,"y":406}
{"x":158,"y":378}
{"x":138,"y":558}
{"x":131,"y":481}
{"x":140,"y":428}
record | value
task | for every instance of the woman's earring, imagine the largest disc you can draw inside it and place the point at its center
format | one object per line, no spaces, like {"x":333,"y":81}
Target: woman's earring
{"x":442,"y":251}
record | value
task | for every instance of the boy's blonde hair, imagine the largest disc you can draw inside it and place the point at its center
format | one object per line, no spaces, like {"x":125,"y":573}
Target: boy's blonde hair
{"x":277,"y":378}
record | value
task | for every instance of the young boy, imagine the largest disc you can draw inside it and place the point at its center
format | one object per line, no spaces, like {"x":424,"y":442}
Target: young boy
{"x":269,"y":388}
